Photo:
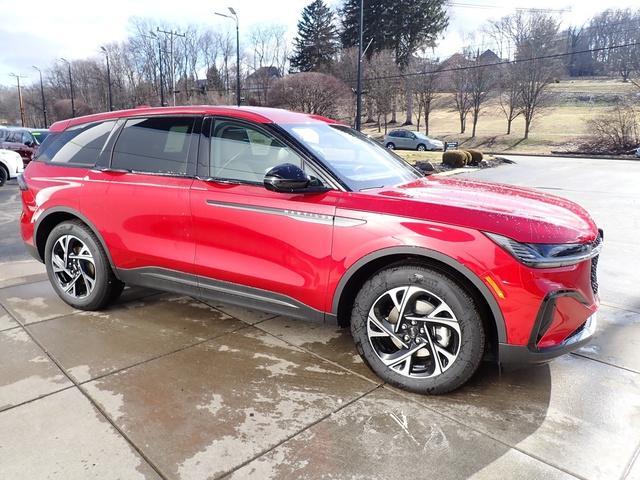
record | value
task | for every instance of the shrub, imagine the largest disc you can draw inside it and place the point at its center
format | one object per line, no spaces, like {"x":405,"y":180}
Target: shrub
{"x":454,"y":158}
{"x":309,"y":92}
{"x":476,"y":157}
{"x":617,"y":131}
{"x":468,"y":155}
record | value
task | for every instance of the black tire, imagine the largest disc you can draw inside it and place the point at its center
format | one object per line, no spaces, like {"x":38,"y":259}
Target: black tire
{"x":472,"y":336}
{"x":421,"y":147}
{"x":107,"y":287}
{"x":4,"y":175}
{"x":390,"y":146}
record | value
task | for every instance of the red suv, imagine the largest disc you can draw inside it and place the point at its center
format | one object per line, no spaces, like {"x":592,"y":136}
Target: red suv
{"x":298,"y":215}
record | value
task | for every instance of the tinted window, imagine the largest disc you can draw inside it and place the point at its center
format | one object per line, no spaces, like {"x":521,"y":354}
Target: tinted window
{"x":80,"y":145}
{"x":154,"y":145}
{"x":241,"y":152}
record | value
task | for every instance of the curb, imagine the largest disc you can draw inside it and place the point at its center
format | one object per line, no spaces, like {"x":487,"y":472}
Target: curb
{"x":566,"y":155}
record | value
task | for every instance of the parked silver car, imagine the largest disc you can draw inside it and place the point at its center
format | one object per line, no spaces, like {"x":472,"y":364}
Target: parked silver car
{"x":404,"y":139}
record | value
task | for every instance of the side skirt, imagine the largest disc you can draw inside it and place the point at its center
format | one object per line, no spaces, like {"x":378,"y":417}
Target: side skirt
{"x":219,"y":291}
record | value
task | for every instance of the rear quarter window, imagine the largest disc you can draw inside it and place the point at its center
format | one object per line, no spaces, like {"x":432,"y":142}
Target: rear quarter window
{"x":80,"y":145}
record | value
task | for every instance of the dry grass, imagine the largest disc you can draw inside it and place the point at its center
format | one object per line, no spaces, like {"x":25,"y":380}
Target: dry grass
{"x":562,"y":125}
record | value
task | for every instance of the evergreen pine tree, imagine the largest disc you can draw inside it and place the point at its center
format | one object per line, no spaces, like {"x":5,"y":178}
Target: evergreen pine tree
{"x":403,"y":26}
{"x":317,"y":42}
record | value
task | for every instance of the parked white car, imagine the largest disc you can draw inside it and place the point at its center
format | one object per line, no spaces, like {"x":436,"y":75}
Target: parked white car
{"x":11,"y":165}
{"x":405,"y":139}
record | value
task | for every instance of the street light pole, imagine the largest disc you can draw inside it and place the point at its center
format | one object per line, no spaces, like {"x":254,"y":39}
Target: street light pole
{"x":73,"y":104}
{"x":44,"y":104}
{"x":359,"y":81}
{"x":20,"y":103}
{"x":235,"y":17}
{"x":106,"y":55}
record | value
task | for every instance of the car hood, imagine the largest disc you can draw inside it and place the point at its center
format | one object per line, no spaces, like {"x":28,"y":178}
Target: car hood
{"x":522,"y":214}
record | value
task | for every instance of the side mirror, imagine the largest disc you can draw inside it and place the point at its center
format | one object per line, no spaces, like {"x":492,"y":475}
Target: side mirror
{"x":289,"y":178}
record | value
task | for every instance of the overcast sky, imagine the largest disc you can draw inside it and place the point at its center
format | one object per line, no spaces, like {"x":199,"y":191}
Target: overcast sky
{"x":39,"y":32}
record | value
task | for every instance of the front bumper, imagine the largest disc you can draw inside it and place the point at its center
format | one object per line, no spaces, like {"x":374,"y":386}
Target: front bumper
{"x":520,"y":354}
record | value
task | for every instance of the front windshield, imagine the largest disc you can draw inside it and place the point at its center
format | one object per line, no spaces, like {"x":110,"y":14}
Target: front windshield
{"x":360,"y":162}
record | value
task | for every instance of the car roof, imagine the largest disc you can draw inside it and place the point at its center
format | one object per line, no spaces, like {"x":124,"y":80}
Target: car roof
{"x":254,"y":114}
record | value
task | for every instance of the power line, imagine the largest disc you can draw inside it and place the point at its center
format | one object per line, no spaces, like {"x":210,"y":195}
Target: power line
{"x":504,"y":62}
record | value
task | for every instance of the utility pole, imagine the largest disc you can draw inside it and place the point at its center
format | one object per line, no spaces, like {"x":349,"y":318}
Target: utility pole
{"x":172,"y":34}
{"x":106,"y":55}
{"x":235,"y":17}
{"x":359,"y":81}
{"x":73,"y":104}
{"x":44,"y":104}
{"x":21,"y":104}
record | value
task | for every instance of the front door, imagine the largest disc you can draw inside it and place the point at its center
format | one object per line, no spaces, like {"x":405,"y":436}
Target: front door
{"x":255,"y":246}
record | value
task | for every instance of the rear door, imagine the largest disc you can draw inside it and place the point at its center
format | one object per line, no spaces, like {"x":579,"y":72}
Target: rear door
{"x":150,"y":174}
{"x":255,"y":246}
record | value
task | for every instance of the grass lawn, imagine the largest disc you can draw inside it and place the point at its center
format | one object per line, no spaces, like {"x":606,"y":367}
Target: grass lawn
{"x":561,"y":125}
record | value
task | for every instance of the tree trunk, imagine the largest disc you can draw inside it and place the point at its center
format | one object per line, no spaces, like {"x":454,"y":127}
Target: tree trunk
{"x":385,"y":123}
{"x":462,"y":125}
{"x":393,"y":111}
{"x":527,"y":124}
{"x":509,"y":120}
{"x":409,"y":119}
{"x":426,"y":122}
{"x":475,"y":122}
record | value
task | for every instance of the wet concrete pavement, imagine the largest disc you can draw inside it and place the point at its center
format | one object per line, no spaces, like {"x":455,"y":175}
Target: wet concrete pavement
{"x":166,"y":386}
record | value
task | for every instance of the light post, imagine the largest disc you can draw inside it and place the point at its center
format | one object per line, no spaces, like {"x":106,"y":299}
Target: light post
{"x":359,"y":81}
{"x":73,"y":103}
{"x":235,"y":17}
{"x":20,"y":103}
{"x":44,"y":104}
{"x":106,"y":55}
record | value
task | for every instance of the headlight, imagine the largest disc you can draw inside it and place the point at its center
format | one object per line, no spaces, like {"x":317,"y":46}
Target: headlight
{"x":548,"y":255}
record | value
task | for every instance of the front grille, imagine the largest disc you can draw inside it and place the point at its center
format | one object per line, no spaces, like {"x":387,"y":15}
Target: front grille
{"x":594,"y":274}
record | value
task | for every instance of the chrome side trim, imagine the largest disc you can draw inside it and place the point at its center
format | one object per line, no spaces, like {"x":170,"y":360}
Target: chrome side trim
{"x":299,"y":215}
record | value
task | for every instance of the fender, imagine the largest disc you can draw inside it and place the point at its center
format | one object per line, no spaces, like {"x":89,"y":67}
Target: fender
{"x":432,"y":254}
{"x":84,"y":219}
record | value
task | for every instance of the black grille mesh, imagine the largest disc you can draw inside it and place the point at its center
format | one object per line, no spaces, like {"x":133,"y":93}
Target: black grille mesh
{"x":594,"y":274}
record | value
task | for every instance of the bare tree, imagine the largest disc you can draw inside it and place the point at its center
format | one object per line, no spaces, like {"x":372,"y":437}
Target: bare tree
{"x":309,"y":92}
{"x":426,"y":87}
{"x":379,"y":87}
{"x":617,"y":131}
{"x":508,"y":86}
{"x":534,"y":35}
{"x":461,"y":89}
{"x":481,"y":83}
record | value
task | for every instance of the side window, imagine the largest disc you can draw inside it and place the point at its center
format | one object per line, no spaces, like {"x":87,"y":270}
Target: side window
{"x":244,"y":153}
{"x":80,"y":145}
{"x":154,"y":145}
{"x":14,"y":137}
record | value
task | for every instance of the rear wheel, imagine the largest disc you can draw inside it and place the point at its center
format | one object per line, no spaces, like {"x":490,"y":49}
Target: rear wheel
{"x":390,"y":146}
{"x":417,"y":329}
{"x":78,"y":267}
{"x":421,"y":148}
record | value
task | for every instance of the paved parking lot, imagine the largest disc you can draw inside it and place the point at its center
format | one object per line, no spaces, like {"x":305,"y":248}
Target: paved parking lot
{"x":164,"y":386}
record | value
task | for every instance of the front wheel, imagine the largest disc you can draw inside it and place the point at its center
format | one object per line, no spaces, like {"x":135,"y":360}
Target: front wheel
{"x":78,"y":267}
{"x":421,"y":148}
{"x":4,"y":175}
{"x":418,"y":329}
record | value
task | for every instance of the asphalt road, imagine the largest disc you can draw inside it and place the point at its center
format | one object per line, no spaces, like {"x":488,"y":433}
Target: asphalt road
{"x":11,"y":247}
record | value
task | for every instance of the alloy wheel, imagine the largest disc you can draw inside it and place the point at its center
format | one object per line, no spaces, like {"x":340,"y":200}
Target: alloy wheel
{"x":73,"y":266}
{"x":414,"y":332}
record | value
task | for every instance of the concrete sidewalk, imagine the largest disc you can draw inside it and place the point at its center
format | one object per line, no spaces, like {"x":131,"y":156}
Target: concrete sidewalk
{"x":164,"y":386}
